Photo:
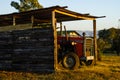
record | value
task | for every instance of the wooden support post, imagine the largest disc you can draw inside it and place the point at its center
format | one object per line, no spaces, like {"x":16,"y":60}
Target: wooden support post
{"x":95,"y":41}
{"x":55,"y":40}
{"x":32,"y":20}
{"x":84,"y":44}
{"x":66,"y":35}
{"x":61,"y":28}
{"x":14,"y":22}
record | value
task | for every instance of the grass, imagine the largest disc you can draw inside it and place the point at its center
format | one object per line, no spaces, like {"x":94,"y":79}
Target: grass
{"x":107,"y":69}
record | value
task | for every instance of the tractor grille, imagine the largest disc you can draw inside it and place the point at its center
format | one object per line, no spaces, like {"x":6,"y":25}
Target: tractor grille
{"x":89,"y":46}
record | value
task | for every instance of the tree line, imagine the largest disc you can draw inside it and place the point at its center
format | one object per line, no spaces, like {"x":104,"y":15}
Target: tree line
{"x":109,"y":40}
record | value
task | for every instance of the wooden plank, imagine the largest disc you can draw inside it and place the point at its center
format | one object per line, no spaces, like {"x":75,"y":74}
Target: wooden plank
{"x":5,"y":66}
{"x":35,"y":61}
{"x":14,"y":20}
{"x":33,"y":49}
{"x":30,"y":54}
{"x":17,"y":27}
{"x":5,"y":57}
{"x":5,"y":51}
{"x":31,"y":41}
{"x":29,"y":58}
{"x":33,"y":68}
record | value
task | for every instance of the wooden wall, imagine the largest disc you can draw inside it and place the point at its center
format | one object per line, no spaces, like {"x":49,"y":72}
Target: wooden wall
{"x":29,"y":50}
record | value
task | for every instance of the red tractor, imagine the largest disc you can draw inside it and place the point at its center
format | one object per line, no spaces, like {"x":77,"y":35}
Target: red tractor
{"x":74,"y":50}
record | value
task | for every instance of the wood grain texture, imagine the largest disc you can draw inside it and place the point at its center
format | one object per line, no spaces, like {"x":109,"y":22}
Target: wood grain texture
{"x":27,"y":50}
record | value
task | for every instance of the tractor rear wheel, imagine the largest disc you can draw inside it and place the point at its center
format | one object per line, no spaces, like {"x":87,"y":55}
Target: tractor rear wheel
{"x":71,"y":61}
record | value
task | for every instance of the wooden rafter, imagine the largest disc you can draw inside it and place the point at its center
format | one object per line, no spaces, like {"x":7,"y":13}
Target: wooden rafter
{"x":75,"y":16}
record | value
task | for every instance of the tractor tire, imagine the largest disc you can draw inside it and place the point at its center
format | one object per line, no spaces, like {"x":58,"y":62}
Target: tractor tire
{"x":70,"y":61}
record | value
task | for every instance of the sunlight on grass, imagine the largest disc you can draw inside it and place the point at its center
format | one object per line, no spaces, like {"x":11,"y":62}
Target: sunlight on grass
{"x":107,"y":69}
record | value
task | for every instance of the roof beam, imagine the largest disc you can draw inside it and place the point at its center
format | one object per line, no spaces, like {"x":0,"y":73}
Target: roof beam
{"x":75,"y":16}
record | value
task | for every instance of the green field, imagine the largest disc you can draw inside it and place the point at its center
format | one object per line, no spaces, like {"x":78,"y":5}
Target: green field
{"x":107,"y":69}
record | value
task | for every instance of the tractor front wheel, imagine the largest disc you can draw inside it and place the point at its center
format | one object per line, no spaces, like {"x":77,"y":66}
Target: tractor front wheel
{"x":71,"y":61}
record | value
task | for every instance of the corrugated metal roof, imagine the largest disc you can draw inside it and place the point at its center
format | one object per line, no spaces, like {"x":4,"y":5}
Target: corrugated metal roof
{"x":44,"y":14}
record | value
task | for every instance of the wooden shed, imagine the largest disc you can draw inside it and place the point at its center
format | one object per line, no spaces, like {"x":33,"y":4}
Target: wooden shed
{"x":27,"y":44}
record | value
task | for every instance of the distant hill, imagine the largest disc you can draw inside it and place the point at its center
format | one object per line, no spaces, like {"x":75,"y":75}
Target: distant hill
{"x":88,"y":33}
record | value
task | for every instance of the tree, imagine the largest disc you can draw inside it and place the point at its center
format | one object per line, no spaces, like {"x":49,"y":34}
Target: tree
{"x":26,"y":5}
{"x":103,"y":41}
{"x":101,"y":44}
{"x":116,"y":43}
{"x":109,"y":40}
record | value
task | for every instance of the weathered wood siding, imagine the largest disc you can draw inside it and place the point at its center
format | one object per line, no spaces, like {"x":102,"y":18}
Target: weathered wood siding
{"x":27,"y":50}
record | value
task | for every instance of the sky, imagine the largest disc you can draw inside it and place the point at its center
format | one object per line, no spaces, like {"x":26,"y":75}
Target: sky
{"x":108,"y":8}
